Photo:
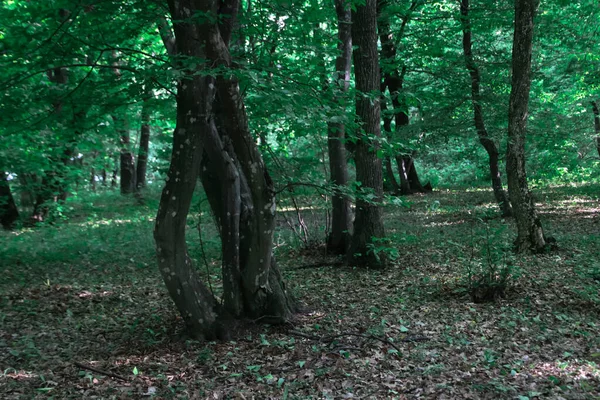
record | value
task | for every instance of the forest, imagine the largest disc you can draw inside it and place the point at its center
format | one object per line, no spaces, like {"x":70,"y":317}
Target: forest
{"x":267,"y":199}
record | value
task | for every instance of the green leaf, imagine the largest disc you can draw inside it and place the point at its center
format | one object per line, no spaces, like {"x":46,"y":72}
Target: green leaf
{"x":135,"y":371}
{"x":403,"y":328}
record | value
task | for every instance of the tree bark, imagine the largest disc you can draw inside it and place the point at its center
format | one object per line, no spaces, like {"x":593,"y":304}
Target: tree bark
{"x":126,"y":160}
{"x":596,"y":125}
{"x":368,"y":222}
{"x":484,"y":138}
{"x":341,"y":224}
{"x":194,"y":301}
{"x":142,"y":159}
{"x":9,"y":213}
{"x":212,"y":121}
{"x":530,"y":233}
{"x":394,"y":80}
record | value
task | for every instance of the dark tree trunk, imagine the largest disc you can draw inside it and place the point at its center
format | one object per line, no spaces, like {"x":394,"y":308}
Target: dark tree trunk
{"x":368,"y":223}
{"x":390,"y":183}
{"x":93,"y":179}
{"x":484,"y":138}
{"x":596,"y":125}
{"x":234,"y":177}
{"x":530,"y":233}
{"x":142,"y":159}
{"x":394,"y":80}
{"x":338,"y":240}
{"x":8,"y":209}
{"x":126,"y":161}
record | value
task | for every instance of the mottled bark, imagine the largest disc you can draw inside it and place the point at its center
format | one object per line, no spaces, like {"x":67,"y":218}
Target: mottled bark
{"x":9,"y":213}
{"x":195,"y":303}
{"x":484,"y":138}
{"x":530,"y":233}
{"x":212,"y":121}
{"x":596,"y":125}
{"x":338,"y":240}
{"x":368,"y":223}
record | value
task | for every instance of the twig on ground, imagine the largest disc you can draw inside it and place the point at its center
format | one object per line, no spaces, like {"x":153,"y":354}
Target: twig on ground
{"x":99,"y":371}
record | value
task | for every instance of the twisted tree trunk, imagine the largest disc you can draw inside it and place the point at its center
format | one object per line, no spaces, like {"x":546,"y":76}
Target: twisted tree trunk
{"x":212,"y":122}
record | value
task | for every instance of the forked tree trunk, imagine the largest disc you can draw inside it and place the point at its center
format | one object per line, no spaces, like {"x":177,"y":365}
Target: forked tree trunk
{"x":245,"y":212}
{"x":484,"y":138}
{"x":530,"y":233}
{"x":8,"y":209}
{"x":596,"y":125}
{"x":338,"y":240}
{"x":394,"y":80}
{"x":368,"y":223}
{"x":144,"y":145}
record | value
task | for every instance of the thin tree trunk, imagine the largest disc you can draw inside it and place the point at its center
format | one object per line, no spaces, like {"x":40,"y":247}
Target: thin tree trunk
{"x":484,"y":138}
{"x":126,"y":161}
{"x":338,"y":240}
{"x":530,"y":233}
{"x":596,"y":125}
{"x":142,"y":159}
{"x":9,"y":213}
{"x":394,"y":81}
{"x":368,"y":222}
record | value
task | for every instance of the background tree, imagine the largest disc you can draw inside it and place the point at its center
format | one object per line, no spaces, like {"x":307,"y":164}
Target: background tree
{"x":530,"y":233}
{"x":368,"y":225}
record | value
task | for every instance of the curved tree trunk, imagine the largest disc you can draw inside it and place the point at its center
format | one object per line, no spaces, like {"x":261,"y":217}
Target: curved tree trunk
{"x":368,"y":223}
{"x":8,"y":209}
{"x":484,"y":138}
{"x":338,"y":240}
{"x":235,"y":179}
{"x":530,"y":232}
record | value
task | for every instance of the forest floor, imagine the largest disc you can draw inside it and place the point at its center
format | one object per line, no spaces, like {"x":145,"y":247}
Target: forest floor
{"x":86,"y":293}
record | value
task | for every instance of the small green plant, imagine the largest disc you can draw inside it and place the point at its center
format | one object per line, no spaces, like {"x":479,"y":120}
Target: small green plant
{"x":382,"y":247}
{"x":488,"y":274}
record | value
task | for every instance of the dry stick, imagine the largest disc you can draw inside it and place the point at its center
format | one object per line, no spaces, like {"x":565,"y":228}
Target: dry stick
{"x":99,"y":371}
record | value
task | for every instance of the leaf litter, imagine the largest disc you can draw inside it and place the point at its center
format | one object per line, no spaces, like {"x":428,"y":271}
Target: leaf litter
{"x":409,"y":331}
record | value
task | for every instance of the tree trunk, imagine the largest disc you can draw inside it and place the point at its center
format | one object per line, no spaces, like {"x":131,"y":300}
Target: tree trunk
{"x":194,"y":301}
{"x":368,"y":222}
{"x":530,"y":232}
{"x":235,"y":180}
{"x":338,"y":240}
{"x":126,"y":161}
{"x":596,"y":125}
{"x":484,"y":138}
{"x":142,"y":159}
{"x":394,"y":80}
{"x":8,"y":209}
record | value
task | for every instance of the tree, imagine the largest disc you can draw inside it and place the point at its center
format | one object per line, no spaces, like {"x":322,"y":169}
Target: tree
{"x":368,"y":224}
{"x":393,"y":80}
{"x":596,"y":125}
{"x":338,"y":240}
{"x":8,"y":209}
{"x":212,"y":135}
{"x":484,"y":138}
{"x":530,"y":233}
